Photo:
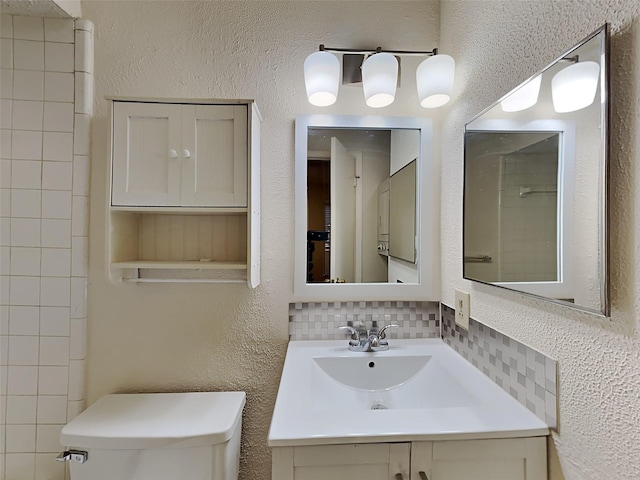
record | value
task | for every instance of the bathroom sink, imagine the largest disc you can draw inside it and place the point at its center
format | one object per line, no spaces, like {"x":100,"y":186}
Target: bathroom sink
{"x":416,"y":390}
{"x":372,"y":373}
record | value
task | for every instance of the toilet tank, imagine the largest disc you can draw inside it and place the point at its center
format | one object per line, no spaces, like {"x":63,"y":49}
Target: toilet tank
{"x":158,"y":436}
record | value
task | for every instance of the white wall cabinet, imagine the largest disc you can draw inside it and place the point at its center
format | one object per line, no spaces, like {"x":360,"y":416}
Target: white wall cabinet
{"x":185,"y":191}
{"x":499,"y":459}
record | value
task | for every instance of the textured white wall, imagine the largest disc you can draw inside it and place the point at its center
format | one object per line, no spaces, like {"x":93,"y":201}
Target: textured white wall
{"x":208,"y":337}
{"x":498,"y":44}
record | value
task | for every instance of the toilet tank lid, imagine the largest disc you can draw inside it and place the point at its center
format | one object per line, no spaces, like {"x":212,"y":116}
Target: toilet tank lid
{"x":156,"y":420}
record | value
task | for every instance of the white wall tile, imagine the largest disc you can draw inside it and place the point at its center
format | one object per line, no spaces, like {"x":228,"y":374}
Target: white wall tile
{"x":24,"y":290}
{"x":28,"y":85}
{"x":4,"y":293}
{"x":24,"y":320}
{"x":54,"y":321}
{"x":23,"y":350}
{"x":58,"y":87}
{"x":25,"y":261}
{"x":6,"y":28}
{"x":56,"y":262}
{"x":21,"y":409}
{"x":5,"y":173}
{"x":78,"y":339}
{"x":53,"y":380}
{"x":55,"y":291}
{"x":28,"y":28}
{"x":26,"y":174}
{"x":79,"y":256}
{"x":4,"y":327}
{"x":26,"y":203}
{"x":5,"y":143}
{"x":22,"y":380}
{"x":81,"y":134}
{"x":58,"y":30}
{"x":48,"y":438}
{"x":5,"y":231}
{"x":84,"y":93}
{"x":6,"y":83}
{"x":84,"y":51}
{"x":25,"y":232}
{"x":54,"y":350}
{"x":4,"y":358}
{"x":20,"y":438}
{"x":59,"y":57}
{"x":80,"y":175}
{"x":27,"y":115}
{"x":56,"y":233}
{"x":28,"y":55}
{"x":5,"y":261}
{"x":76,"y":379}
{"x":56,"y":204}
{"x":58,"y":117}
{"x":20,"y":465}
{"x":57,"y":146}
{"x":5,"y":202}
{"x":6,"y":53}
{"x":57,"y":175}
{"x":26,"y":145}
{"x":47,"y":468}
{"x":6,"y":106}
{"x":52,"y":409}
{"x":74,"y":408}
{"x":78,"y":297}
{"x":80,"y":216}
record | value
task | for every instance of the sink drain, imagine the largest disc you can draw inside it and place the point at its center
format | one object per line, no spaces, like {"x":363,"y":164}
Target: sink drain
{"x":378,"y":406}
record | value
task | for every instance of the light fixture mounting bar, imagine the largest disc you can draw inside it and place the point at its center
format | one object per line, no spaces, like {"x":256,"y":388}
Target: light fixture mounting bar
{"x":322,"y":48}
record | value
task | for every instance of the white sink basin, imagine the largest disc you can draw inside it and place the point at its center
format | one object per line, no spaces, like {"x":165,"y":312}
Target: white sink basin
{"x":372,"y":374}
{"x":417,"y":390}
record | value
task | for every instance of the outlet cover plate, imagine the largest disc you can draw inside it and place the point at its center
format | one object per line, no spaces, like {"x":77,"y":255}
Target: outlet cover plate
{"x":462,"y":309}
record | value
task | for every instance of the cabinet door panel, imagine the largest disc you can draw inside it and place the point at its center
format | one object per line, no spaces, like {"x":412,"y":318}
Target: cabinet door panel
{"x":478,"y":470}
{"x":144,"y":172}
{"x":214,"y":172}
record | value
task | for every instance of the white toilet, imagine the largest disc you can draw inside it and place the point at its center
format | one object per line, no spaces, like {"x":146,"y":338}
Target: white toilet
{"x":156,"y":436}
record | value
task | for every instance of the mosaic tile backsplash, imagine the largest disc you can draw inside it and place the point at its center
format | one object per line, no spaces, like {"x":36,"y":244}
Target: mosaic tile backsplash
{"x":320,"y":320}
{"x":527,"y":375}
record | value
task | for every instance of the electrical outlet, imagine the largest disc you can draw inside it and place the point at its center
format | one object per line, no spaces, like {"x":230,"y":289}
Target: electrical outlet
{"x":462,"y":309}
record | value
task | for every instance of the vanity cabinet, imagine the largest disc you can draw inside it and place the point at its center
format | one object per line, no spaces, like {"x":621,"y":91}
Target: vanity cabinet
{"x":185,"y":191}
{"x":494,"y":459}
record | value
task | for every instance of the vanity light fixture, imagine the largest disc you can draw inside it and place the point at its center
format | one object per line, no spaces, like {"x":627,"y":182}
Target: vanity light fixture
{"x":378,"y":71}
{"x":523,"y":98}
{"x":574,"y":87}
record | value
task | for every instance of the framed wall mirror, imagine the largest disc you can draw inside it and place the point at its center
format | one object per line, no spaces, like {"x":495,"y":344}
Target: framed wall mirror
{"x":366,"y":211}
{"x":535,"y":184}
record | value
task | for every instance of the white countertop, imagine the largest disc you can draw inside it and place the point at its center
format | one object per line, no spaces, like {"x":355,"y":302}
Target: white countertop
{"x":449,"y":399}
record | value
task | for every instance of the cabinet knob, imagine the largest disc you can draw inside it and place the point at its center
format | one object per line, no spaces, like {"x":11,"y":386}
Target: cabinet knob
{"x":186,"y":153}
{"x":173,"y":154}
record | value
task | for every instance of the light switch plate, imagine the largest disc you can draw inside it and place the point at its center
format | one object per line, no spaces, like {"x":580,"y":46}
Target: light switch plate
{"x":462,"y":309}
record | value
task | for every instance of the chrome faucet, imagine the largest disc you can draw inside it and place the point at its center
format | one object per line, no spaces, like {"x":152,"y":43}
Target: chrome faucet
{"x":365,"y":341}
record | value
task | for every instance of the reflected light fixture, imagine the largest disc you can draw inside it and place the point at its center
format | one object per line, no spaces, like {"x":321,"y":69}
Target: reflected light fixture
{"x":378,"y":71}
{"x":574,"y":87}
{"x":523,"y":98}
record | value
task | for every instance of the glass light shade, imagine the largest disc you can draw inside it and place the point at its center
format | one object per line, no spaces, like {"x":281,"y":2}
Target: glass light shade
{"x":321,"y":78}
{"x":434,"y":79}
{"x":523,"y":98}
{"x":575,"y":86}
{"x":379,"y":79}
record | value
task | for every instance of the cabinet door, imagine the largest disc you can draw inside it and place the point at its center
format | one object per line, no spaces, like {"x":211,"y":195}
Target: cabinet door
{"x":511,"y":459}
{"x":383,"y":461}
{"x":146,"y":142}
{"x":214,"y":155}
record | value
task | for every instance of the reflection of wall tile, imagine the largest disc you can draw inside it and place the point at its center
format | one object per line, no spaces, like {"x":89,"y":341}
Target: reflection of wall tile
{"x":527,"y":375}
{"x":320,"y":321}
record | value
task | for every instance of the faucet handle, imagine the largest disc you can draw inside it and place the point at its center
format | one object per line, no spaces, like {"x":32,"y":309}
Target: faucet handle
{"x":355,"y":336}
{"x":382,"y":334}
